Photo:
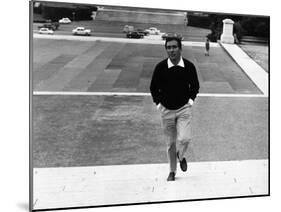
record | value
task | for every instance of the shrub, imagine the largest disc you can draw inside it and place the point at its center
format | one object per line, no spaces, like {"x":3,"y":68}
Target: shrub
{"x":256,"y":26}
{"x":238,"y":30}
{"x":262,"y":30}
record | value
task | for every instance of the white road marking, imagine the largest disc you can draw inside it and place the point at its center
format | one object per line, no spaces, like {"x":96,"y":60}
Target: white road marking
{"x":231,"y":95}
{"x":70,"y":93}
{"x":123,"y":184}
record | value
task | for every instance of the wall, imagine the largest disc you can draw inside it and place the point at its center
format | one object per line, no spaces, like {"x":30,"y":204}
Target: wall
{"x":141,"y":16}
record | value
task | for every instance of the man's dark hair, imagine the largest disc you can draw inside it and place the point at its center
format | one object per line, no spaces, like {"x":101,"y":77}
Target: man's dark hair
{"x":173,"y":38}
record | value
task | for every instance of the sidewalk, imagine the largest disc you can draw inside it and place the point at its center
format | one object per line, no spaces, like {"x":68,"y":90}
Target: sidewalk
{"x":250,"y":67}
{"x":144,"y":183}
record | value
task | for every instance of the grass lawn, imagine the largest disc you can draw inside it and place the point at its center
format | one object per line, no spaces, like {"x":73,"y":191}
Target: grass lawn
{"x":259,"y":53}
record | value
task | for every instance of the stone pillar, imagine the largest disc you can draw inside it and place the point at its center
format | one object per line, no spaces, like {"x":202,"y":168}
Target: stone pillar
{"x":227,"y":33}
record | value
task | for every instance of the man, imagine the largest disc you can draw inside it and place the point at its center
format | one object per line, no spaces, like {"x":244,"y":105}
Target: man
{"x":174,"y":87}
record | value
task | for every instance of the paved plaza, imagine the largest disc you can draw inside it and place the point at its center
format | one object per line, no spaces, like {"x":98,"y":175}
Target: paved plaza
{"x":98,"y":65}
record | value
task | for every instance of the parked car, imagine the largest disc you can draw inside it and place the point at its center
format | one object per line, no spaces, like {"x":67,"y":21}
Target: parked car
{"x":172,"y":34}
{"x":53,"y":26}
{"x":153,"y":31}
{"x":46,"y":31}
{"x":65,"y":21}
{"x":128,"y":28}
{"x":81,"y":31}
{"x":142,"y":32}
{"x":56,"y":25}
{"x":134,"y":34}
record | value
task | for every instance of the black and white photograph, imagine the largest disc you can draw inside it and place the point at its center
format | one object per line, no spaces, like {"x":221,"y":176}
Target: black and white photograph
{"x":140,"y":105}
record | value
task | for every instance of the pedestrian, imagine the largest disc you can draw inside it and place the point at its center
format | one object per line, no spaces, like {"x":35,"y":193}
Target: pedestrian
{"x":236,"y":40}
{"x":207,"y":47}
{"x":174,"y":87}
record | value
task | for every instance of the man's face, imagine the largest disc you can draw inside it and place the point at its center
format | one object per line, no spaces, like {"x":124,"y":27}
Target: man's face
{"x":173,"y":50}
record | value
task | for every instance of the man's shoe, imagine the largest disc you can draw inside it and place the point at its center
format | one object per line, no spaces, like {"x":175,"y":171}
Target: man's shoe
{"x":183,"y":163}
{"x":171,"y":176}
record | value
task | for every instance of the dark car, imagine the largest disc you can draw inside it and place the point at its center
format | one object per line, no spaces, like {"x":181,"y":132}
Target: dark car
{"x":134,"y":34}
{"x":142,"y":31}
{"x":52,"y":26}
{"x":171,"y":34}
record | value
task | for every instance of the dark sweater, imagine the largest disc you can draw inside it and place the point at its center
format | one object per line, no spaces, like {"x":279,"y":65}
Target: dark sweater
{"x":173,"y":87}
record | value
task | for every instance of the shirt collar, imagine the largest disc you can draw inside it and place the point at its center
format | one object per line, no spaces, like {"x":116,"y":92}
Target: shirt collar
{"x":170,"y":64}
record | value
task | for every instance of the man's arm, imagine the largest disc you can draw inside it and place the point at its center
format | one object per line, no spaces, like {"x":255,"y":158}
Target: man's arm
{"x":155,"y":86}
{"x":194,"y":84}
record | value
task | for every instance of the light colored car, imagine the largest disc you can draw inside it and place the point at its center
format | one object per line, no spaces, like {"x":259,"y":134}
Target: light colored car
{"x":172,"y":34}
{"x":46,"y":31}
{"x":65,"y":21}
{"x":81,"y":31}
{"x":153,"y":31}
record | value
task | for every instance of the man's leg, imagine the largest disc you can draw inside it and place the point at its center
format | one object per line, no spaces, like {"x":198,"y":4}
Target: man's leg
{"x":169,"y":127}
{"x":183,"y":130}
{"x":171,"y":152}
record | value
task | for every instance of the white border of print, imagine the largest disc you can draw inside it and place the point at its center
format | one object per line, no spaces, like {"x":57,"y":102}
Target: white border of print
{"x":15,"y":105}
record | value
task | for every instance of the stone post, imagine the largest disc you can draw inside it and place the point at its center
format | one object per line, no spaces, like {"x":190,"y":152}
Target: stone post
{"x":227,"y":33}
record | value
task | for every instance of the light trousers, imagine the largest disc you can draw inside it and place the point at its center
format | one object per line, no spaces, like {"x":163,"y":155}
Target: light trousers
{"x":177,"y":130}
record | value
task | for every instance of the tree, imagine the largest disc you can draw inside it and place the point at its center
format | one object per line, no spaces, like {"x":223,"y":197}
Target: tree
{"x":238,"y":30}
{"x":215,"y":27}
{"x":256,"y":26}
